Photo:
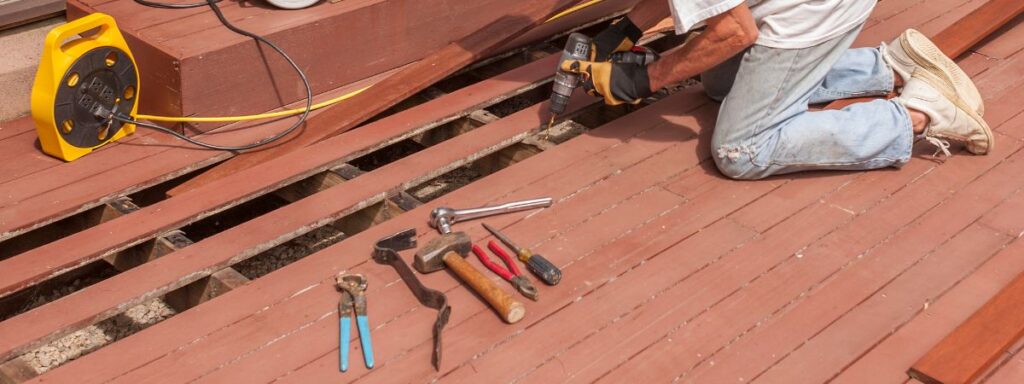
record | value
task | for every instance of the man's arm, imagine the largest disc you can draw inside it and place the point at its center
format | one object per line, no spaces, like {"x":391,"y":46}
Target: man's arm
{"x":725,"y":36}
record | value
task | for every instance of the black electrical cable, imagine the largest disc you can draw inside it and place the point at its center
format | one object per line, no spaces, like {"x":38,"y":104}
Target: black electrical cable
{"x":220,"y":15}
{"x":171,"y":5}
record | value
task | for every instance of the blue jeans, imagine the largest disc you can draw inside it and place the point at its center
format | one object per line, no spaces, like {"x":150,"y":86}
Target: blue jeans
{"x":765,"y":126}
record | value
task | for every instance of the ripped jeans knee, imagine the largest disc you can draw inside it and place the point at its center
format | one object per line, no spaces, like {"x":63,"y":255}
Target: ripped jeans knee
{"x":735,"y":161}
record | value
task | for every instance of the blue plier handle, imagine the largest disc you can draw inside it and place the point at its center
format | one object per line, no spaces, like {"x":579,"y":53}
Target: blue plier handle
{"x":353,"y":299}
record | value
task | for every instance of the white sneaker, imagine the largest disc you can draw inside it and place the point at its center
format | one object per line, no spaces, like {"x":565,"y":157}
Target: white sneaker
{"x":951,"y":118}
{"x":912,"y":50}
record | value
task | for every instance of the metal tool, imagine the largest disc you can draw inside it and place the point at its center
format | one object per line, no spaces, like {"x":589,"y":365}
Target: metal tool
{"x":449,"y":250}
{"x":512,"y":274}
{"x":537,"y":264}
{"x":386,"y":252}
{"x":576,"y":48}
{"x":442,"y":218}
{"x":353,"y":299}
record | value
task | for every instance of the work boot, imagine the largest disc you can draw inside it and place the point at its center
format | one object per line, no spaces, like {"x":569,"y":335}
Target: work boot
{"x":913,"y":50}
{"x":951,"y":118}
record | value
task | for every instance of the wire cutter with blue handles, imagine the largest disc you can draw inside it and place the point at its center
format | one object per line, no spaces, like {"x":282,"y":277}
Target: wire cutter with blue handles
{"x":353,"y":299}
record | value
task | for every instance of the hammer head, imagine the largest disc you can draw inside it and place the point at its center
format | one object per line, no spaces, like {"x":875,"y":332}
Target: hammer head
{"x":430,"y":258}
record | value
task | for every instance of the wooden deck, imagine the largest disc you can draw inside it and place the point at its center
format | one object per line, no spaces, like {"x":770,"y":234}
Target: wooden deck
{"x":671,"y":272}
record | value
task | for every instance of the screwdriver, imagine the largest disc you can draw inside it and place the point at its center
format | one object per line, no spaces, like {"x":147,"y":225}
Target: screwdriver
{"x":537,"y":264}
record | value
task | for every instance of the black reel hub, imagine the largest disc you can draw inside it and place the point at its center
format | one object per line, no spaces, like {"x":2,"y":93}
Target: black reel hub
{"x":98,"y":84}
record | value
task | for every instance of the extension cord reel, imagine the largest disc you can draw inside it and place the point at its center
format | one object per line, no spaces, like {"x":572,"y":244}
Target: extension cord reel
{"x":80,"y":83}
{"x":292,"y":4}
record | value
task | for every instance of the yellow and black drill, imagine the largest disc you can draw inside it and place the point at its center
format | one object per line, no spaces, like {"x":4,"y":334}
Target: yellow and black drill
{"x":578,"y":48}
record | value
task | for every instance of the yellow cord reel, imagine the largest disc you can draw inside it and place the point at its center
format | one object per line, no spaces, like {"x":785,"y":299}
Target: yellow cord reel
{"x":80,"y":84}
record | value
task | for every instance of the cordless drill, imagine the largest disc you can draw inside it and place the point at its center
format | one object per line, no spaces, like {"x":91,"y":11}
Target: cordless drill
{"x":577,"y":48}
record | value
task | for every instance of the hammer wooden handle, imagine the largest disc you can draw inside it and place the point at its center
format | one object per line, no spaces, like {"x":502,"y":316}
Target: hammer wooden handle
{"x":508,"y":308}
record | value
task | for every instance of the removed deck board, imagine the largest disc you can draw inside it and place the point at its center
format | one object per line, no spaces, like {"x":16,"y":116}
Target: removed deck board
{"x":977,"y":343}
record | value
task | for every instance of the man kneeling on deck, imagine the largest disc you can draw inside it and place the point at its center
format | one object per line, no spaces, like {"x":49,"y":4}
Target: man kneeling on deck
{"x":767,"y":60}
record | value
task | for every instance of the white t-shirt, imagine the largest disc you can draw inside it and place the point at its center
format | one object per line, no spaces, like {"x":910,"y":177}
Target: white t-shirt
{"x":782,"y":23}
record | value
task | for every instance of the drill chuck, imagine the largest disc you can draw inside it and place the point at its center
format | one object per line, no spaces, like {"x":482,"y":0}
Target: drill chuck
{"x":576,"y":48}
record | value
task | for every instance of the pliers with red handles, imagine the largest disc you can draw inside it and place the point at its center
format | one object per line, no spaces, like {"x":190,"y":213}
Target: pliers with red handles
{"x":512,"y":274}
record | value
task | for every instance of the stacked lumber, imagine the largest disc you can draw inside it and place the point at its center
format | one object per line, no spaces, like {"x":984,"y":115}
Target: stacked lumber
{"x":191,"y":62}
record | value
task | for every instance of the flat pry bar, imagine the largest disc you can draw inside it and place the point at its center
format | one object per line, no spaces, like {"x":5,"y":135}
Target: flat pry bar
{"x":386,"y":252}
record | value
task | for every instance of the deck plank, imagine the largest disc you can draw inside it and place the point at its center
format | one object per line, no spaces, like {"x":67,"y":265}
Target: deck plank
{"x":710,"y":263}
{"x":318,"y":266}
{"x":889,"y":360}
{"x":1011,"y":372}
{"x":561,"y":248}
{"x":766,"y":276}
{"x":764,"y":346}
{"x":970,"y":350}
{"x":231,"y":246}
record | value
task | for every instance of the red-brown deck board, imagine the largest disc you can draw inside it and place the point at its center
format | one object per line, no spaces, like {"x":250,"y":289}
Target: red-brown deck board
{"x":671,"y":271}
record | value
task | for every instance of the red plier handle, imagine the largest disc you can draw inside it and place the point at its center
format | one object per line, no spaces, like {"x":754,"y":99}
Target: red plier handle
{"x":512,"y":274}
{"x":494,"y":267}
{"x":509,"y":261}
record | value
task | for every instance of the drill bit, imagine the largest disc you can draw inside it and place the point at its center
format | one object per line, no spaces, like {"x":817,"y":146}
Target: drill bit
{"x":551,"y":123}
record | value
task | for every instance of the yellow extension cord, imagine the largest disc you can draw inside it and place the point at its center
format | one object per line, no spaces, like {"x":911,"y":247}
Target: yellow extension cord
{"x":290,"y":112}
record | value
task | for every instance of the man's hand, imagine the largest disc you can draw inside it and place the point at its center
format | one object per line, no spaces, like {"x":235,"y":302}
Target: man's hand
{"x":617,"y":82}
{"x":620,"y":36}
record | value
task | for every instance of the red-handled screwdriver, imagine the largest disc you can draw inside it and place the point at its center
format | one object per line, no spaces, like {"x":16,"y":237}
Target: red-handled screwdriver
{"x":537,"y":264}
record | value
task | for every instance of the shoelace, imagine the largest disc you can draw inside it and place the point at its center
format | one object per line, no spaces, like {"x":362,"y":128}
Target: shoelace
{"x":941,"y":145}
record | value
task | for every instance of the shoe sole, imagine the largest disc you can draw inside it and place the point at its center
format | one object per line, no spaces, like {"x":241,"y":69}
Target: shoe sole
{"x":923,"y":51}
{"x":950,"y":93}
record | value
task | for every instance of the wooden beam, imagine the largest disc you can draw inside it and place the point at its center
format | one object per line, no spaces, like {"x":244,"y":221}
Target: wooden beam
{"x":365,"y":218}
{"x":309,"y":186}
{"x":205,"y":289}
{"x":185,"y":297}
{"x":393,"y":89}
{"x":968,"y":352}
{"x":360,"y":220}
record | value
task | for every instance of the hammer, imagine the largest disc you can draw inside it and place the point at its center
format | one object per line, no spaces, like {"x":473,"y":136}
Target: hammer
{"x":451,"y":248}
